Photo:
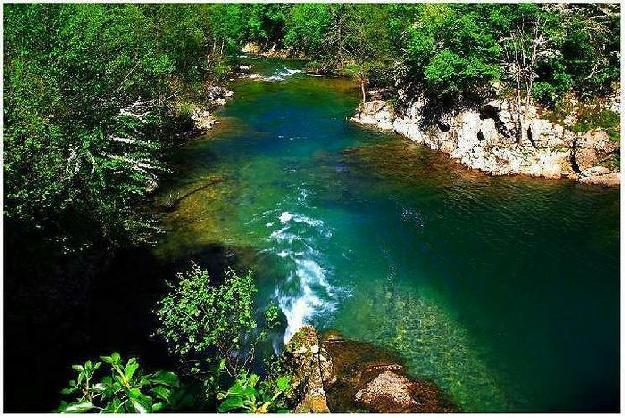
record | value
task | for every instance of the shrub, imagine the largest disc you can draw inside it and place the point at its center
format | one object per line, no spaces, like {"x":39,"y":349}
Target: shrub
{"x":198,"y":320}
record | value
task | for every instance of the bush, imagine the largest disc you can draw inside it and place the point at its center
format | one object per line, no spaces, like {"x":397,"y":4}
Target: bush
{"x":198,"y":320}
{"x":596,"y":117}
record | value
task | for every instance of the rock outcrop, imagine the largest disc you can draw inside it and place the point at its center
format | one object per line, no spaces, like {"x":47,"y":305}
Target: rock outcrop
{"x":254,"y":48}
{"x":304,"y":357}
{"x":338,"y":375}
{"x":202,"y":118}
{"x":487,"y":139}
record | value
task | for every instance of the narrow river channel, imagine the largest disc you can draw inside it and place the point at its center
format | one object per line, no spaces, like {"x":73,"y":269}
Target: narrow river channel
{"x":502,"y":290}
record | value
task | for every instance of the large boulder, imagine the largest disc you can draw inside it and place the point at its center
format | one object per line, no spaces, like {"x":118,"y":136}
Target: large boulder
{"x":375,"y":112}
{"x":364,"y":377}
{"x":593,"y":149}
{"x":392,"y":392}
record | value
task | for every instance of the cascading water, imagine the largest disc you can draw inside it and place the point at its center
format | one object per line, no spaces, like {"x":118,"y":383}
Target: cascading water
{"x":297,"y":239}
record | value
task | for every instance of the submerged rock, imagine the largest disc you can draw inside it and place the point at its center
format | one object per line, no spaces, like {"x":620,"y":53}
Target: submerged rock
{"x":367,"y":378}
{"x":203,"y":120}
{"x":338,"y":375}
{"x":391,"y":392}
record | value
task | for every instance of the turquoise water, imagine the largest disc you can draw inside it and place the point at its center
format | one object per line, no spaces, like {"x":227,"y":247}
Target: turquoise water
{"x":502,"y":290}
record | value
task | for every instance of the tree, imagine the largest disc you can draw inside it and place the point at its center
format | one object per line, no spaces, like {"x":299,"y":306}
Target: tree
{"x":522,"y":50}
{"x":305,"y":28}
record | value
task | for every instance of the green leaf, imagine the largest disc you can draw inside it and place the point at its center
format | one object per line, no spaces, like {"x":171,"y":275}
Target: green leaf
{"x":158,"y":406}
{"x":164,"y":378}
{"x":231,"y":403}
{"x":107,"y":359}
{"x":113,"y":406}
{"x":61,"y":407}
{"x":236,"y":389}
{"x":112,"y":359}
{"x":254,"y":378}
{"x":249,"y":392}
{"x":77,"y":407}
{"x":68,"y":391}
{"x":141,"y":402}
{"x":161,"y":392}
{"x":131,"y":367}
{"x":283,"y":382}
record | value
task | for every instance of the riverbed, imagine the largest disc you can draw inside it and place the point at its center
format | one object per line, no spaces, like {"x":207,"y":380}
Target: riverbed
{"x":504,"y":291}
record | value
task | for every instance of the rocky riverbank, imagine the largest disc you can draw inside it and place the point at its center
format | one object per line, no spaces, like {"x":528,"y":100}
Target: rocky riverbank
{"x":332,"y":374}
{"x":483,"y":138}
{"x":202,"y":117}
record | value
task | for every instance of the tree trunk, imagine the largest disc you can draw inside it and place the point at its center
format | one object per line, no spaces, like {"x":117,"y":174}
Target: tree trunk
{"x":363,"y":90}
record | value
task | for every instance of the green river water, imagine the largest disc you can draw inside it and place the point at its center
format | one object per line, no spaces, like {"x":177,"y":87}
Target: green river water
{"x":502,"y":290}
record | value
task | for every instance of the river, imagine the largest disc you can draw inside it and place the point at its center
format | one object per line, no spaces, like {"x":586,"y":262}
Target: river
{"x":502,"y":290}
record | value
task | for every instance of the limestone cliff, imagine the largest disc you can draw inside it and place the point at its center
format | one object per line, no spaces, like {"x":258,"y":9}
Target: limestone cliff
{"x":484,"y":138}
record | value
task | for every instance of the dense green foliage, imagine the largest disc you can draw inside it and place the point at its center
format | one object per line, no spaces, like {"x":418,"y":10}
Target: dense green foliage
{"x":213,"y":329}
{"x":85,"y":98}
{"x":89,"y":91}
{"x":450,"y":49}
{"x":124,"y":388}
{"x":249,"y":394}
{"x":197,"y":318}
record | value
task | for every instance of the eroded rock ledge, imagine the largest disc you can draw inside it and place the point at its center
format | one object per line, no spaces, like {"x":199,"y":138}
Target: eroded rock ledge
{"x":202,"y":117}
{"x":332,"y":374}
{"x":483,"y":139}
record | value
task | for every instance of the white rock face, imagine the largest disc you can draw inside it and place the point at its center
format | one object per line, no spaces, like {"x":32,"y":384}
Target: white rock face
{"x":202,"y":119}
{"x":485,"y":139}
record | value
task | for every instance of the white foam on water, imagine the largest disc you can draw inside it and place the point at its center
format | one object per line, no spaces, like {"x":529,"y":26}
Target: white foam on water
{"x":303,"y":195}
{"x":281,"y":235}
{"x":285,"y":217}
{"x":313,"y":297}
{"x":289,"y":71}
{"x":280,"y":75}
{"x":299,"y":241}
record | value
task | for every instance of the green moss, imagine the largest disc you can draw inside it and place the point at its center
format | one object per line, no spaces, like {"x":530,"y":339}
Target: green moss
{"x":597,"y":118}
{"x":591,"y":115}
